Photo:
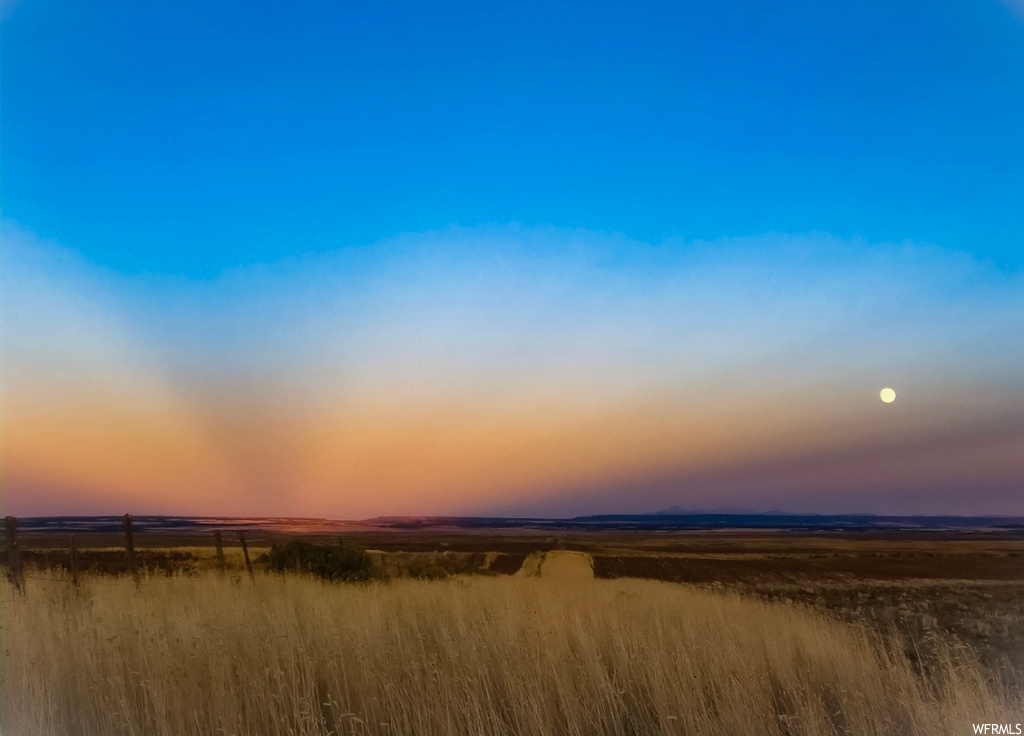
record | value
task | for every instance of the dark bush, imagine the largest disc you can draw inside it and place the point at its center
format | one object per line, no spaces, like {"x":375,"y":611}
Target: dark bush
{"x":426,"y":569}
{"x":331,"y":562}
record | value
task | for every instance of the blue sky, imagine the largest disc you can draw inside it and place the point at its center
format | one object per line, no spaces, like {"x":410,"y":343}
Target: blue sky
{"x":187,"y":138}
{"x":375,"y":258}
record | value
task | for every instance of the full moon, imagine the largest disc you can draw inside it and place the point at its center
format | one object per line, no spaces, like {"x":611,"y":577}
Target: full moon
{"x":887,"y":395}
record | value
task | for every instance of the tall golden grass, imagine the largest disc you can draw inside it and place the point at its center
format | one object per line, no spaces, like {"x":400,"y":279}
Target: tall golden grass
{"x":290,"y":655}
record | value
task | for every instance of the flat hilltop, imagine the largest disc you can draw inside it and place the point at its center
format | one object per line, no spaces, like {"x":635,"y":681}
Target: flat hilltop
{"x":935,"y":611}
{"x":962,"y":579}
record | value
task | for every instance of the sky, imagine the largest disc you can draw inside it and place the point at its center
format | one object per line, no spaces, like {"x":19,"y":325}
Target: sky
{"x":360,"y":259}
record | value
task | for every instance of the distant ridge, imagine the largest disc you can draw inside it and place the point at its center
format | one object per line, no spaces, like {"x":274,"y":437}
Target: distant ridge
{"x":730,"y":511}
{"x":671,"y":519}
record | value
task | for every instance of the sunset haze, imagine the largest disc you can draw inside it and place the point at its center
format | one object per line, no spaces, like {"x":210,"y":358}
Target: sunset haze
{"x":470,"y":261}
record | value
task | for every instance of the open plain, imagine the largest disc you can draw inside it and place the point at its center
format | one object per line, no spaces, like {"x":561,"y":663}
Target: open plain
{"x":520,"y":631}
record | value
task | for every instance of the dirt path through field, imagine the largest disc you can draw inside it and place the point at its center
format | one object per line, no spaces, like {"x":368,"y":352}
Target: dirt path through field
{"x":558,"y":565}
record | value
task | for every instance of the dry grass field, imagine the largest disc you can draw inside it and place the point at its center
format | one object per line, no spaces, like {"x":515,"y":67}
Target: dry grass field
{"x":560,"y":654}
{"x":510,"y":633}
{"x":966,"y":586}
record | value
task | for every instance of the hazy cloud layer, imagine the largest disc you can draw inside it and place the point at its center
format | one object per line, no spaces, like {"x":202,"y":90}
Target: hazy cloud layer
{"x":515,"y":369}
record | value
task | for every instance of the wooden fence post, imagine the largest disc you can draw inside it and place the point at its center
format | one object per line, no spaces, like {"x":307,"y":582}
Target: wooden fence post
{"x":220,"y":551}
{"x":74,"y":561}
{"x":245,"y":553}
{"x":15,"y":573}
{"x":130,"y":547}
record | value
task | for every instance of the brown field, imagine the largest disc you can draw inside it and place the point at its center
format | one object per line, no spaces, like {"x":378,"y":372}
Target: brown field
{"x":798,"y":634}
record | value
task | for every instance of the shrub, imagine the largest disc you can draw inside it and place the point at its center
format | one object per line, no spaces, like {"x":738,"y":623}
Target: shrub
{"x":331,"y":562}
{"x":425,"y":568}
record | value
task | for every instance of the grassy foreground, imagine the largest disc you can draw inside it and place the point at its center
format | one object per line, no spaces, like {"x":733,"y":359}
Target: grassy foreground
{"x":291,"y":655}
